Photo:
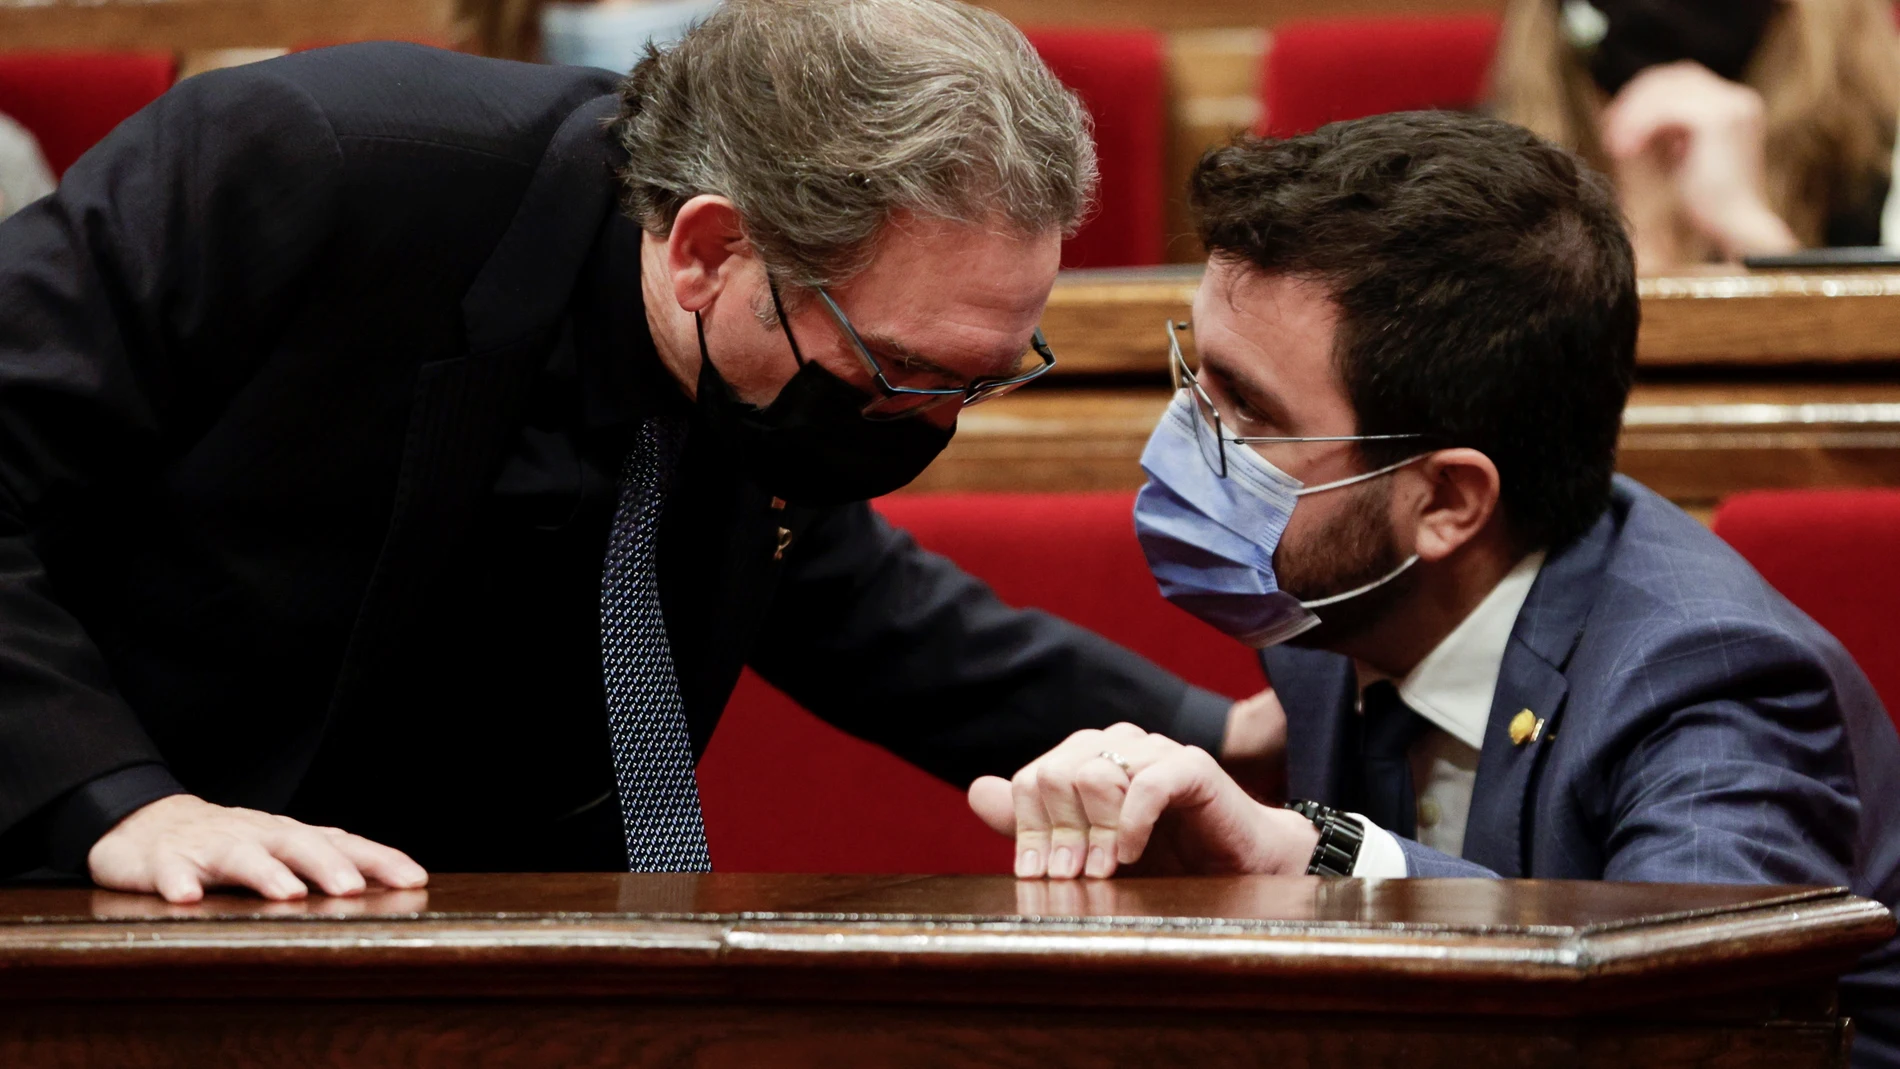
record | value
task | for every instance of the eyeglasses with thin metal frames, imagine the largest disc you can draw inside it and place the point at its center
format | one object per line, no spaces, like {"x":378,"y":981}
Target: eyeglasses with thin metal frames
{"x":914,"y":399}
{"x":1209,"y":423}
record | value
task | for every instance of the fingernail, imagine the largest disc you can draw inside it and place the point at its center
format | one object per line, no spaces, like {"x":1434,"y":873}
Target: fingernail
{"x":1062,"y":862}
{"x":1098,"y":861}
{"x":1028,"y":864}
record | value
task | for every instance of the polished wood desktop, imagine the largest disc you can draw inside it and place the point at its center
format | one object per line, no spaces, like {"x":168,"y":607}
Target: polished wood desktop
{"x":840,"y":971}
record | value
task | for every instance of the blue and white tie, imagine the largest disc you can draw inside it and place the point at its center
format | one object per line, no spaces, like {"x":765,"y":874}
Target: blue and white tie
{"x":653,"y":754}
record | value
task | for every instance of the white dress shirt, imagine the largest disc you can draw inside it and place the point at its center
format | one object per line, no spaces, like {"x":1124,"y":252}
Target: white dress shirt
{"x":1452,"y":688}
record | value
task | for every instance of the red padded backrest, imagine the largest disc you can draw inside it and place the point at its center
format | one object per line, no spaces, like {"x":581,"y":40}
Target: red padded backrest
{"x":1332,"y":69}
{"x":784,"y":792}
{"x":1836,"y":555}
{"x":69,"y":100}
{"x":1120,"y":76}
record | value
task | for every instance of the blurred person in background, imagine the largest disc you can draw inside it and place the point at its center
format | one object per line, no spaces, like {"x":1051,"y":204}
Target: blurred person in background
{"x":24,"y":176}
{"x":1732,"y":127}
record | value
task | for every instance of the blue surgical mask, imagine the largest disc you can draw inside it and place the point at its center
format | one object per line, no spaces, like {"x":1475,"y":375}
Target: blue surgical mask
{"x":1210,"y":540}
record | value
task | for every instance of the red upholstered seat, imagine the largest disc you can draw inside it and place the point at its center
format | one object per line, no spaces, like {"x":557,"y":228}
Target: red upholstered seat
{"x":1120,"y":76}
{"x":1332,"y":69}
{"x":785,"y":792}
{"x":1836,"y":554}
{"x":69,"y":100}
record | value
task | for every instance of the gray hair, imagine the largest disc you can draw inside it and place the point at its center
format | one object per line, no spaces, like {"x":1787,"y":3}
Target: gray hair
{"x":821,"y":120}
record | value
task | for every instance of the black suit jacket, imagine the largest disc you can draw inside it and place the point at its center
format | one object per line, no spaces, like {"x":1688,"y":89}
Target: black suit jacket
{"x":261,"y":358}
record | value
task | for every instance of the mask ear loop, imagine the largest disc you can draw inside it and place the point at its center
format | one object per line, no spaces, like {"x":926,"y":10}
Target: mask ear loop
{"x":1356,"y":479}
{"x":1320,"y":603}
{"x":784,"y":324}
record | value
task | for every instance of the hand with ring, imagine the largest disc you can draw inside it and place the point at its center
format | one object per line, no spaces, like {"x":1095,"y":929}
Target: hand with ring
{"x":1123,"y":799}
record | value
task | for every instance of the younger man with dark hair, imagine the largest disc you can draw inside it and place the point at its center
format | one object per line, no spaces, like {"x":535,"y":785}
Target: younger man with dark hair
{"x":1493,"y":657}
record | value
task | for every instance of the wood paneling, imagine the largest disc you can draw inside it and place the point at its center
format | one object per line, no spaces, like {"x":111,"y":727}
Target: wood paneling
{"x":1110,"y":322}
{"x":1733,"y":318}
{"x":735,"y":970}
{"x":191,"y":25}
{"x":1205,"y":14}
{"x":611,"y":1034}
{"x":1692,"y":442}
{"x":1213,"y":94}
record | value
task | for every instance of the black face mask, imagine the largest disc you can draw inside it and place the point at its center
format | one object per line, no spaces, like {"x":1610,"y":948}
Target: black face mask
{"x":813,"y":445}
{"x":1722,"y":35}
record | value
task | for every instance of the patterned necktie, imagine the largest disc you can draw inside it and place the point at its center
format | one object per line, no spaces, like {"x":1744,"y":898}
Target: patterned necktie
{"x":653,"y":755}
{"x":1390,"y":728}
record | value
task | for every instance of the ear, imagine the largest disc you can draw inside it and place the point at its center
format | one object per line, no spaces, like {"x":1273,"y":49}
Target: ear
{"x":1460,"y":497}
{"x":706,"y":246}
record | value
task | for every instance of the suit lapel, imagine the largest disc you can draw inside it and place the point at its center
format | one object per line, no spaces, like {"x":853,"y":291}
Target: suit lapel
{"x":1316,"y":689}
{"x":468,"y":410}
{"x":1494,"y":833}
{"x":1531,"y":680}
{"x":719,"y":566}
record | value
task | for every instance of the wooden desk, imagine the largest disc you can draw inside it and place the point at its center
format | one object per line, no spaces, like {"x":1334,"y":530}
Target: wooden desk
{"x":839,"y":971}
{"x":1693,"y":442}
{"x":1110,"y":322}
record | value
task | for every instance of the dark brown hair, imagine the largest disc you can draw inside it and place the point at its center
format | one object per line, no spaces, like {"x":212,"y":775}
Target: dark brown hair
{"x":1485,"y":284}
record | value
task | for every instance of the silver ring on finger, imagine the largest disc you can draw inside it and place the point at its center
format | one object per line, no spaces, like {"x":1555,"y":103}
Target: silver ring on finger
{"x":1119,"y":762}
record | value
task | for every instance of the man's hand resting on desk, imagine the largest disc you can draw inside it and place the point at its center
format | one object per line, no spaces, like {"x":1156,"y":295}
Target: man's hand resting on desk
{"x":181,"y":845}
{"x":1174,"y":809}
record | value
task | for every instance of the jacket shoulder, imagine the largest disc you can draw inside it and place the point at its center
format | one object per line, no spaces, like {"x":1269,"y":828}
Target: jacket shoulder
{"x":395,"y":91}
{"x":1676,"y":601}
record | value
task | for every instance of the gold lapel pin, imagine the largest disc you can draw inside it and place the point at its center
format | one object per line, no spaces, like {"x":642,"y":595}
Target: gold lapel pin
{"x":784,"y":543}
{"x":1525,"y":727}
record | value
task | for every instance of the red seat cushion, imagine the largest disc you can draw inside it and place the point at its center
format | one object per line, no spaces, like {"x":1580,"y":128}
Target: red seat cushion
{"x":69,"y":100}
{"x":1836,"y":555}
{"x":1327,"y":70}
{"x":1120,"y":76}
{"x":784,"y":792}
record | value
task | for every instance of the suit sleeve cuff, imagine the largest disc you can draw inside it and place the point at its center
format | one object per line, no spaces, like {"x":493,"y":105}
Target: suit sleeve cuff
{"x":86,"y":813}
{"x":1379,"y":856}
{"x":1201,"y":720}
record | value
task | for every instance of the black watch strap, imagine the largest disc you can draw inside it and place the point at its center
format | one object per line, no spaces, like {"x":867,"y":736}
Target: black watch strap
{"x":1340,"y":837}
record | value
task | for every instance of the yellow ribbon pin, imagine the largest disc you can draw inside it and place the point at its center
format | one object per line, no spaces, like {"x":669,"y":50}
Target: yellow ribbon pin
{"x":1525,"y":727}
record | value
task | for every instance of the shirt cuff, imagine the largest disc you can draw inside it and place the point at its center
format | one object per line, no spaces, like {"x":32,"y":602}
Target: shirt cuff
{"x":1379,"y":855}
{"x":1201,"y":720}
{"x":87,"y":812}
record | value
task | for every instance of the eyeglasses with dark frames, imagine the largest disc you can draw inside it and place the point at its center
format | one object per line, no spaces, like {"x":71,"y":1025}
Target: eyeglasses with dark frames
{"x":1211,"y":435}
{"x":896,"y":402}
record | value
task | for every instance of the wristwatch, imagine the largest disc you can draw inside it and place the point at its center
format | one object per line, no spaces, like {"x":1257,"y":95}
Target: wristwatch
{"x":1340,"y":837}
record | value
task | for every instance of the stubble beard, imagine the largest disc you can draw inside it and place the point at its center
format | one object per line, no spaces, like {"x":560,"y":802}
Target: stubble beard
{"x":1353,"y":548}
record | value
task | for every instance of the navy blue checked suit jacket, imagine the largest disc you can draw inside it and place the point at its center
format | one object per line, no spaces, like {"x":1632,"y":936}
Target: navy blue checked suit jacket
{"x":1698,"y":729}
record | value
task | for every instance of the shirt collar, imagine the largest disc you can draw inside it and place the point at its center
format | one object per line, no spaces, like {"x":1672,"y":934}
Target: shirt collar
{"x":1453,"y":686}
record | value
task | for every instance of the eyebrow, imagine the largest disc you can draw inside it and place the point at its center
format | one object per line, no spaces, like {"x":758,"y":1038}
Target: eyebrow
{"x":1258,"y":396}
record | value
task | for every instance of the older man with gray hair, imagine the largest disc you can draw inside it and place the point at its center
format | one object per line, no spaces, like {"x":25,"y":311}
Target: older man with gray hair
{"x":402,"y":452}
